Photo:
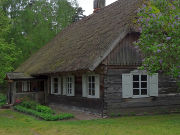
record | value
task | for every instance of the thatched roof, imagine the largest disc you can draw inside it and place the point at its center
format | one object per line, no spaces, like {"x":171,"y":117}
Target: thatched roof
{"x":84,"y":44}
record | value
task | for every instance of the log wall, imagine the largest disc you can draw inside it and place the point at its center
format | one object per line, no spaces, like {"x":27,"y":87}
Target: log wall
{"x":125,"y":53}
{"x":114,"y":103}
{"x":85,"y":104}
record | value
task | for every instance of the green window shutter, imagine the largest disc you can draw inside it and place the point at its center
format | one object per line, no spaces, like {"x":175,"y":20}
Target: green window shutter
{"x":153,"y":85}
{"x":84,"y":85}
{"x":127,"y":91}
{"x":64,"y":85}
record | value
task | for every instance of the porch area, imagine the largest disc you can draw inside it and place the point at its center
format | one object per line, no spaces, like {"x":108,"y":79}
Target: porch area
{"x":21,"y":85}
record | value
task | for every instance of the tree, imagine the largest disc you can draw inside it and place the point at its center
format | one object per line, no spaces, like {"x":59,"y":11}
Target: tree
{"x":158,"y":21}
{"x":36,"y":22}
{"x":79,"y":14}
{"x":8,"y":51}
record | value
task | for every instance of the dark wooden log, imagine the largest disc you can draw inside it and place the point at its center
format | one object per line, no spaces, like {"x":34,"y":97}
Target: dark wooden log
{"x":84,"y":103}
{"x":113,"y":101}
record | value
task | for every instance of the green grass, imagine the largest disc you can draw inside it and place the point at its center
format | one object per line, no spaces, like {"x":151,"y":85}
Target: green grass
{"x":14,"y":123}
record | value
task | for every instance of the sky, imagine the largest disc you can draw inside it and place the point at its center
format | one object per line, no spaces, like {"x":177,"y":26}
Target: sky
{"x":87,"y":5}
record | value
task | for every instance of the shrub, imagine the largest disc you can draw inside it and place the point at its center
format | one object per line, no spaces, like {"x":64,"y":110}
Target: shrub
{"x":44,"y":109}
{"x":2,"y":100}
{"x":29,"y":104}
{"x":40,"y":111}
{"x":35,"y":106}
{"x":42,"y":115}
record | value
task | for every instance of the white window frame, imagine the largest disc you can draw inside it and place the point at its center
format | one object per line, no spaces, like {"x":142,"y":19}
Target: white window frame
{"x":58,"y":83}
{"x":24,"y":86}
{"x":140,"y":74}
{"x":85,"y":86}
{"x":90,"y":89}
{"x":67,"y":84}
{"x":127,"y":84}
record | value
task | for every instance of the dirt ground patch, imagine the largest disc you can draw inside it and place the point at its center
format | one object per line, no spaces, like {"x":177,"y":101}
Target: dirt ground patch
{"x":79,"y":114}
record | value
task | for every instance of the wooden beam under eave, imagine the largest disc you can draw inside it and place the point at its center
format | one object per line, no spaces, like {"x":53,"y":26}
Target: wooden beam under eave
{"x":10,"y":81}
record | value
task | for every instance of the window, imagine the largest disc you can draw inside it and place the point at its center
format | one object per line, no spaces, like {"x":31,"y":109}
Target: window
{"x":40,"y":85}
{"x":55,"y":90}
{"x":23,"y":86}
{"x":68,"y":85}
{"x":91,"y":86}
{"x":55,"y":85}
{"x":138,"y":84}
{"x":18,"y":87}
{"x":29,"y":86}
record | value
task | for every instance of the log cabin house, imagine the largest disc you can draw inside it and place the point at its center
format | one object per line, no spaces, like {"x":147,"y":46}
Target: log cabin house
{"x":93,"y":65}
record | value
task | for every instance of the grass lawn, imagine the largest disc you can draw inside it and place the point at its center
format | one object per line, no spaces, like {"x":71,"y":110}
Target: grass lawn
{"x":14,"y":123}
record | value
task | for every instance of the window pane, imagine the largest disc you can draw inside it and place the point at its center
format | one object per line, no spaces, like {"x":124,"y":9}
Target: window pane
{"x":143,"y":77}
{"x":89,"y":78}
{"x":93,"y":92}
{"x":69,"y":85}
{"x":19,"y":87}
{"x":89,"y":92}
{"x":55,"y":80}
{"x":135,"y":84}
{"x":55,"y":90}
{"x":89,"y":85}
{"x":55,"y":85}
{"x":93,"y":86}
{"x":144,"y":92}
{"x":135,"y":77}
{"x":93,"y":78}
{"x":143,"y":84}
{"x":135,"y":91}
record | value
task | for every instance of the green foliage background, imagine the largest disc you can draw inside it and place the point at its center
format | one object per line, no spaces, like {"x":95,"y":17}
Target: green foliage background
{"x":27,"y":25}
{"x":8,"y":50}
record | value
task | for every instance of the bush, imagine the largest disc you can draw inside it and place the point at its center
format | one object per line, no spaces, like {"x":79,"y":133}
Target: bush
{"x":29,"y":104}
{"x":35,"y":106}
{"x":42,"y":115}
{"x":2,"y":100}
{"x":44,"y":109}
{"x":40,"y":111}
